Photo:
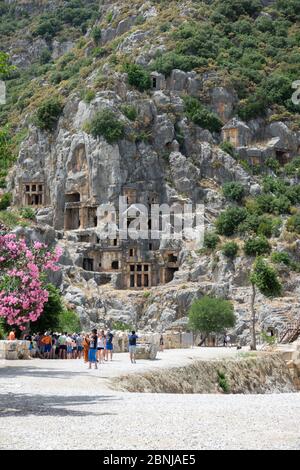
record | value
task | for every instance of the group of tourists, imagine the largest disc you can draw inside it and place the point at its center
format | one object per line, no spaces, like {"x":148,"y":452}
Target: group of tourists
{"x":50,"y":345}
{"x":95,"y":347}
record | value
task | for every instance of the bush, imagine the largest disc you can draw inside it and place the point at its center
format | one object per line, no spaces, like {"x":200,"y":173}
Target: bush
{"x":106,"y":124}
{"x":138,"y":76}
{"x":5,"y":201}
{"x":293,"y":168}
{"x":89,"y":95}
{"x":98,"y":52}
{"x":233,"y":191}
{"x":96,"y":34}
{"x":45,"y":57}
{"x":201,"y":116}
{"x":228,"y":148}
{"x":230,"y":249}
{"x":265,"y":228}
{"x":172,"y":60}
{"x":47,"y":28}
{"x":273,"y":164}
{"x":211,"y":315}
{"x":281,"y":257}
{"x":252,"y":108}
{"x":293,"y":223}
{"x":223,"y":382}
{"x":10,"y":219}
{"x":272,"y":204}
{"x":48,"y":114}
{"x":228,"y":221}
{"x":211,"y":240}
{"x":27,"y":213}
{"x":129,"y":111}
{"x":257,"y":246}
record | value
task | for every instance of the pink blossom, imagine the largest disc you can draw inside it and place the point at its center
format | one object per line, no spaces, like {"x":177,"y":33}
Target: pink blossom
{"x":22,"y":295}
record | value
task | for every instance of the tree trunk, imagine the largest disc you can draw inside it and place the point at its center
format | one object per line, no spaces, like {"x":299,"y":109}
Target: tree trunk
{"x":253,"y":318}
{"x":203,"y":340}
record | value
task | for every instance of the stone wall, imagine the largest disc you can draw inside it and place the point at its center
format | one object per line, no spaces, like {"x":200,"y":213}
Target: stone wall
{"x":13,"y":350}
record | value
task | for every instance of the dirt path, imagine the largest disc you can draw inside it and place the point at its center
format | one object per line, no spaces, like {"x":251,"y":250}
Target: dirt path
{"x":61,"y":405}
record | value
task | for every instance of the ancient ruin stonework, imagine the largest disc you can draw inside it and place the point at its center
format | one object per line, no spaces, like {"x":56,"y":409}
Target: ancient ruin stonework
{"x":163,"y":157}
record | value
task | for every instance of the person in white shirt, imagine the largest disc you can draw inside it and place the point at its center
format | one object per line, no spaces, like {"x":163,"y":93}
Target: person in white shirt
{"x":100,"y":347}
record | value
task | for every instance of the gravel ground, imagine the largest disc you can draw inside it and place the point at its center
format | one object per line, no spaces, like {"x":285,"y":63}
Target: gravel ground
{"x":62,"y":405}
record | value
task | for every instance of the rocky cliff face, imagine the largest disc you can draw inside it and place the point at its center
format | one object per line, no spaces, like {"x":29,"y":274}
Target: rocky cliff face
{"x":162,"y":154}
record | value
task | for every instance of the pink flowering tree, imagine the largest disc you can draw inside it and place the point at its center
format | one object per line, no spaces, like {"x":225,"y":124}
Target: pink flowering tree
{"x":23,"y":271}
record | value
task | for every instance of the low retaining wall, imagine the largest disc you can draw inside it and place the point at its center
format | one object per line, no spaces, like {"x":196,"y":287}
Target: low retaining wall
{"x":13,"y":350}
{"x":266,"y":373}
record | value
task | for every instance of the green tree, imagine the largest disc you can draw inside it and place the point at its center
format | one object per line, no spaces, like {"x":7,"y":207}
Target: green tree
{"x":106,"y":124}
{"x":211,"y":315}
{"x":48,"y":114}
{"x":264,"y":278}
{"x":56,"y":317}
{"x":49,"y":320}
{"x":69,"y":321}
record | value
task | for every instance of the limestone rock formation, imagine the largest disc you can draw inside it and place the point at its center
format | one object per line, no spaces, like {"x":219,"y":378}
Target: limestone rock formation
{"x":164,"y":156}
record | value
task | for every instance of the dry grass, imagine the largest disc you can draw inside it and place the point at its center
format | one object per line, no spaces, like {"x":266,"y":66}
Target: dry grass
{"x":265,"y":373}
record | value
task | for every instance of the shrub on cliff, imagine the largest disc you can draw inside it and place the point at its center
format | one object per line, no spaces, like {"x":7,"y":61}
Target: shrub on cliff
{"x":48,"y":114}
{"x":233,"y":191}
{"x":201,"y":116}
{"x":257,"y":246}
{"x":106,"y":124}
{"x":228,"y":221}
{"x":129,"y":111}
{"x":293,"y":223}
{"x":228,"y":148}
{"x":138,"y":76}
{"x":211,"y":240}
{"x":230,"y":249}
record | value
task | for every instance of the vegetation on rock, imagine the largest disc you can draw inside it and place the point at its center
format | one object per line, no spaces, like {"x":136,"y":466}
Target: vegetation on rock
{"x":106,"y":124}
{"x":48,"y":114}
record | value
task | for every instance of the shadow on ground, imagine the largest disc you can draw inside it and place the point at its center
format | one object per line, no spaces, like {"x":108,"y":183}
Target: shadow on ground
{"x":15,"y":372}
{"x":13,"y":404}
